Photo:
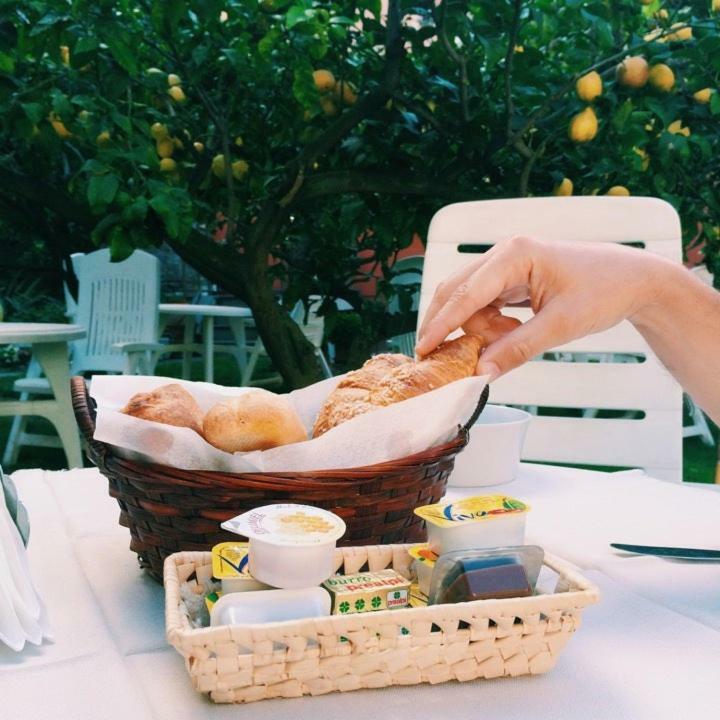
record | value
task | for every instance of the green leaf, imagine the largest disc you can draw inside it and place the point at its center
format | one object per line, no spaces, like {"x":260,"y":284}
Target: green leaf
{"x":7,"y":63}
{"x":174,"y":207}
{"x":85,"y":45}
{"x":715,"y":103}
{"x":102,"y":189}
{"x":34,"y":111}
{"x":120,"y":246}
{"x":296,"y":15}
{"x":123,"y":53}
{"x":304,"y":88}
{"x":101,"y":228}
{"x":135,"y":212}
{"x":267,"y":43}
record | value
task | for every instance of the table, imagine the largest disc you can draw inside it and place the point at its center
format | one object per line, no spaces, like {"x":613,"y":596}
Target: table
{"x":648,"y":651}
{"x":49,"y":344}
{"x":236,"y":316}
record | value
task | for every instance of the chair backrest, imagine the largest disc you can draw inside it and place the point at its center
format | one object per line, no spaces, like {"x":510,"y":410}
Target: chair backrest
{"x":311,"y":324}
{"x":653,"y":442}
{"x":407,"y":271}
{"x":117,"y":302}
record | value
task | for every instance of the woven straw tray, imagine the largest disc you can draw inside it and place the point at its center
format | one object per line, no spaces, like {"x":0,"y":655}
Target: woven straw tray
{"x":434,"y":644}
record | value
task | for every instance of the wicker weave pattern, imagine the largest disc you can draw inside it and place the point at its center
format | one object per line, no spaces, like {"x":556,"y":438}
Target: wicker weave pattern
{"x":169,"y":510}
{"x":485,"y":639}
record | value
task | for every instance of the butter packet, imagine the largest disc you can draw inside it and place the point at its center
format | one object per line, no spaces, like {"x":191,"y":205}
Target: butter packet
{"x":366,"y":592}
{"x":472,"y":509}
{"x":230,"y":566}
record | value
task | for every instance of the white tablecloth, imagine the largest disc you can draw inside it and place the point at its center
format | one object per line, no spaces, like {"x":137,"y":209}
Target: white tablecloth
{"x":650,"y":649}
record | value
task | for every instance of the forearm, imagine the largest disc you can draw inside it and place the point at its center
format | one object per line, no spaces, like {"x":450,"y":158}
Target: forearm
{"x":681,"y":322}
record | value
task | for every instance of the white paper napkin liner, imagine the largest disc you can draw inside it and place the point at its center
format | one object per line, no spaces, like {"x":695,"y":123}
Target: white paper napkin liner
{"x":388,"y":433}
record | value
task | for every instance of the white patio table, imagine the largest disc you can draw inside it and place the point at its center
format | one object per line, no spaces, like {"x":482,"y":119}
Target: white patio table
{"x":650,"y":650}
{"x":49,"y":344}
{"x":236,"y":316}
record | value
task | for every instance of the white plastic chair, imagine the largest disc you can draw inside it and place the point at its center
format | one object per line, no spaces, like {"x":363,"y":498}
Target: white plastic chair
{"x":118,"y":305}
{"x":653,"y":442}
{"x":313,"y":328}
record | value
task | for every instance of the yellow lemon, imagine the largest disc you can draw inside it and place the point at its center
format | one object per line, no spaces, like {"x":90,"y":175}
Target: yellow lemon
{"x":173,"y":80}
{"x":177,"y":94}
{"x":324,"y":80}
{"x":224,"y":16}
{"x":618,"y":191}
{"x":199,"y":147}
{"x":703,"y":96}
{"x":59,"y":126}
{"x":583,"y":126}
{"x":564,"y":188}
{"x":168,"y":165}
{"x":178,"y":143}
{"x":662,"y":14}
{"x":676,"y":128}
{"x":519,"y":48}
{"x":645,"y":157}
{"x":165,"y":147}
{"x":218,"y":166}
{"x":158,"y":131}
{"x":328,"y":106}
{"x":633,"y":71}
{"x":682,"y":32}
{"x":589,"y":86}
{"x":239,"y":141}
{"x":103,"y":138}
{"x":716,"y":5}
{"x":239,"y":169}
{"x":65,"y":54}
{"x":345,"y":92}
{"x":661,"y":77}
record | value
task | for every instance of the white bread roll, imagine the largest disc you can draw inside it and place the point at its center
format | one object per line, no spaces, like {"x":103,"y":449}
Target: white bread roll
{"x":256,"y":420}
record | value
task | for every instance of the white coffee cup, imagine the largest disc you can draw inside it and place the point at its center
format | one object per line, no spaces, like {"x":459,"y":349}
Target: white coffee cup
{"x":493,"y":452}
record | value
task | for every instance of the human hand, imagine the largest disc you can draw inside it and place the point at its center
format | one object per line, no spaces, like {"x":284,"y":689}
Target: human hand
{"x":575,"y":289}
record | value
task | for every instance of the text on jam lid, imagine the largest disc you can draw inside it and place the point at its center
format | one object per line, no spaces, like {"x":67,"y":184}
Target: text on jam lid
{"x":288,"y":524}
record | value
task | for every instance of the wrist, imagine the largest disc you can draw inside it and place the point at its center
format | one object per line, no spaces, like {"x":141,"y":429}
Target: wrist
{"x":659,"y":295}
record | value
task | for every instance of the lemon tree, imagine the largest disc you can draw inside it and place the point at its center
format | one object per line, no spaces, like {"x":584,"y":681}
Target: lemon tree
{"x":301,"y":143}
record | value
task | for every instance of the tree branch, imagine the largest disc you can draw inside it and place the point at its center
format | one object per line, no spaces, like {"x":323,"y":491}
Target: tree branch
{"x":457,"y":57}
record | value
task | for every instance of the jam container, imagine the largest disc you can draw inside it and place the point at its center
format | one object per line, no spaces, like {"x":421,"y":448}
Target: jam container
{"x":291,"y":546}
{"x":482,"y":521}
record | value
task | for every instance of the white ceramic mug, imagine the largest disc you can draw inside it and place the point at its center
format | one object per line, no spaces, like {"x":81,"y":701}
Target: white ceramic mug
{"x":493,"y":452}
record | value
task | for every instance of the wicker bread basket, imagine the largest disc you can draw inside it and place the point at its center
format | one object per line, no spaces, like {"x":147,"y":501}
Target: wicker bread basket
{"x":481,"y":639}
{"x":168,"y":510}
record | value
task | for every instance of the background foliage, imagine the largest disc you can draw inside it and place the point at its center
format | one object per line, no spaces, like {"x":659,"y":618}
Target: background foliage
{"x":446,"y":101}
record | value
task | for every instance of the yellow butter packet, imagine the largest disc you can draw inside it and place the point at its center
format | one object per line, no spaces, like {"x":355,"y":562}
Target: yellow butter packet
{"x":472,"y":509}
{"x":230,"y":566}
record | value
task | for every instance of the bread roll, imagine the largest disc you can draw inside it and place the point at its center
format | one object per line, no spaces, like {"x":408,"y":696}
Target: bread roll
{"x":169,"y":404}
{"x":387,"y":379}
{"x":256,"y":420}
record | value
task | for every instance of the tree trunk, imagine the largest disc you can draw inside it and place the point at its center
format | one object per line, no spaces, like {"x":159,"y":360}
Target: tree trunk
{"x":246,"y":277}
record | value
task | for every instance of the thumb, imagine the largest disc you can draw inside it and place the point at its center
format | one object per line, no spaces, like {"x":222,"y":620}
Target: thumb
{"x":542,"y":332}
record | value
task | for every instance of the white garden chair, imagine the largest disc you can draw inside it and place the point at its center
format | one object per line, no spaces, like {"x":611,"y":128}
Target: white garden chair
{"x":118,"y":305}
{"x":653,"y":442}
{"x":313,"y":328}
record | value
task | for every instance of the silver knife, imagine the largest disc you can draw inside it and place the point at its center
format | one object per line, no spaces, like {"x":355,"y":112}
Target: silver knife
{"x":671,"y":552}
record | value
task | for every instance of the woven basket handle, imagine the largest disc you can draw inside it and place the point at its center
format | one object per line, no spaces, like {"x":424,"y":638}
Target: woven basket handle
{"x":482,"y":402}
{"x":84,"y":409}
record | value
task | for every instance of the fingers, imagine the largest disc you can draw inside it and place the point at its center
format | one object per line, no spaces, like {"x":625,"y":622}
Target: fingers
{"x":547,"y":329}
{"x":490,"y":324}
{"x":501,"y":271}
{"x":446,"y":288}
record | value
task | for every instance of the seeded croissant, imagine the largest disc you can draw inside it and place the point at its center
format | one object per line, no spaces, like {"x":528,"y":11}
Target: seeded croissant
{"x":390,"y":378}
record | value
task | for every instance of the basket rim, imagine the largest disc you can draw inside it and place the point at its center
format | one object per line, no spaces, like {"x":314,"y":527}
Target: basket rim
{"x":585,"y":593}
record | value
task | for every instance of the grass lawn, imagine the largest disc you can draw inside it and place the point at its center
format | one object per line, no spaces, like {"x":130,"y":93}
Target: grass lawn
{"x":699,"y":459}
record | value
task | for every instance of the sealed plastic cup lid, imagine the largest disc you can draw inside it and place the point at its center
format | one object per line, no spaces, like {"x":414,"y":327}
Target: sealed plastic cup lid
{"x":288,"y":524}
{"x":472,"y":509}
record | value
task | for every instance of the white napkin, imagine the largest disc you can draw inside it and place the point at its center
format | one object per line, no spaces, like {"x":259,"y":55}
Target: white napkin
{"x":22,"y":613}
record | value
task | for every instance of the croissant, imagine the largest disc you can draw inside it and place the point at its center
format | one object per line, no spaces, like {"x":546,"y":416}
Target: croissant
{"x":390,"y":378}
